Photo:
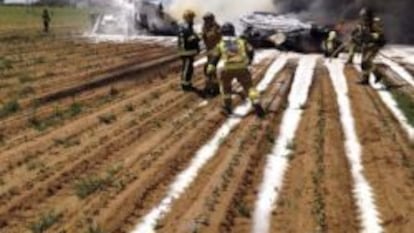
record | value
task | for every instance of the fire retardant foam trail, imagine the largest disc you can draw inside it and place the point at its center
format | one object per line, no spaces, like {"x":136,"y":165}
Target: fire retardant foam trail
{"x":362,"y":190}
{"x":203,"y":155}
{"x":200,"y":62}
{"x":403,"y":73}
{"x":392,"y":105}
{"x":260,"y":56}
{"x":277,"y":161}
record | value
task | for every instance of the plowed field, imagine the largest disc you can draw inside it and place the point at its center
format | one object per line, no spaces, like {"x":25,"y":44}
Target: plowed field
{"x":98,"y":137}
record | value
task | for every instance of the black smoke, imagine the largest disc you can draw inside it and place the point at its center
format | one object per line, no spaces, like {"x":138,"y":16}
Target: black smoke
{"x":397,"y":15}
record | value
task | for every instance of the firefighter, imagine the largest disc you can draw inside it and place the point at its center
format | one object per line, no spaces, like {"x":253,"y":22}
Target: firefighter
{"x":161,"y":10}
{"x":355,"y":43}
{"x":211,"y":35}
{"x":46,"y":20}
{"x":237,"y":55}
{"x":331,"y":44}
{"x":247,"y":33}
{"x":188,"y":44}
{"x":372,"y":39}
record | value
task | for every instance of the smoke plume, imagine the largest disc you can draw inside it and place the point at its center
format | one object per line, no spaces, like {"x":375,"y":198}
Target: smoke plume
{"x":223,"y":9}
{"x":396,"y":14}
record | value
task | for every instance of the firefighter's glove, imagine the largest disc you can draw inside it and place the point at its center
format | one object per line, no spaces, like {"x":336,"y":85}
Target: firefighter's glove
{"x":211,"y":69}
{"x":250,"y":69}
{"x":375,"y":36}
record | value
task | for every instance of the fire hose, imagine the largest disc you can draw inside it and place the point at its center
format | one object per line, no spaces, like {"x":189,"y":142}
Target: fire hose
{"x":339,"y":49}
{"x":387,"y":57}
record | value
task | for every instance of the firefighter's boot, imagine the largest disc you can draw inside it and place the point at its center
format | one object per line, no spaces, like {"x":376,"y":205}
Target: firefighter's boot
{"x":260,"y":112}
{"x":227,"y":107}
{"x":350,"y":61}
{"x":186,"y":86}
{"x":364,"y":80}
{"x":213,"y":89}
{"x":254,"y":97}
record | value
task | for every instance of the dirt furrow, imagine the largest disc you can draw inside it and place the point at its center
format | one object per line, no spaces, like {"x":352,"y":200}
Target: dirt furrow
{"x":158,"y":149}
{"x":150,"y":136}
{"x":317,"y":193}
{"x":59,"y":81}
{"x":167,"y":102}
{"x":388,"y":156}
{"x":59,"y":180}
{"x":37,"y":68}
{"x":204,"y":207}
{"x":409,"y":67}
{"x":87,"y":101}
{"x":55,"y":179}
{"x":140,"y":200}
{"x":54,"y":81}
{"x":393,"y":81}
{"x":83,"y":142}
{"x":143,"y":97}
{"x":58,"y":46}
{"x":336,"y":188}
{"x":88,"y":52}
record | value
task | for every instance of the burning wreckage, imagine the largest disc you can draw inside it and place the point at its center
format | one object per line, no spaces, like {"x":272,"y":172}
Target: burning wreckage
{"x":261,"y":29}
{"x":285,"y":32}
{"x":136,"y":17}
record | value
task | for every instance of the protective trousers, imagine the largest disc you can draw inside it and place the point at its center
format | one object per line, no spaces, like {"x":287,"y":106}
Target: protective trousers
{"x":187,"y":70}
{"x":367,"y":65}
{"x":351,"y":53}
{"x":211,"y":79}
{"x":329,"y":48}
{"x":243,"y":76}
{"x":45,"y":26}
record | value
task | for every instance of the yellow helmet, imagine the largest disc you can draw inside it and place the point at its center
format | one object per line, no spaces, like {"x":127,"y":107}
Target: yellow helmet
{"x":189,"y":15}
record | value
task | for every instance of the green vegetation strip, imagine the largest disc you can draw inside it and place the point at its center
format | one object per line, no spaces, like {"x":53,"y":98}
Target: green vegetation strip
{"x":24,"y":16}
{"x":406,"y":104}
{"x":45,"y":222}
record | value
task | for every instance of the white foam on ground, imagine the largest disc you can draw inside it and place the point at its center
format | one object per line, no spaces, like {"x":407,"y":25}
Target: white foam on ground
{"x":363,"y":194}
{"x":200,"y":62}
{"x":409,"y":59}
{"x":392,"y":105}
{"x":401,"y":71}
{"x":390,"y":102}
{"x":406,"y":53}
{"x":203,"y":155}
{"x":165,"y":40}
{"x":264,"y":54}
{"x":277,"y":160}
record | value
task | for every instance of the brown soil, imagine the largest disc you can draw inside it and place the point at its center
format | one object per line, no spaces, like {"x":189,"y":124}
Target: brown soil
{"x":148,"y":200}
{"x":316,"y":195}
{"x":209,"y":205}
{"x":103,"y":168}
{"x":409,"y":67}
{"x":388,"y":157}
{"x":140,"y":141}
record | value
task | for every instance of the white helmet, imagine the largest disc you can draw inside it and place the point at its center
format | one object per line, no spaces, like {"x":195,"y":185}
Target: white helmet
{"x":332,"y":35}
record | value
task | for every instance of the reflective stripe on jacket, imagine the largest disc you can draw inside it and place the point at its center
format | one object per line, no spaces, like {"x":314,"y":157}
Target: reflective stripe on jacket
{"x":188,"y":41}
{"x":234,"y":52}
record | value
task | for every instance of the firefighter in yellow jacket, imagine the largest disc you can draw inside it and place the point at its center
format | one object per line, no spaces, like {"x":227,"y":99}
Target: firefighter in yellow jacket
{"x":211,"y":34}
{"x":237,"y":55}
